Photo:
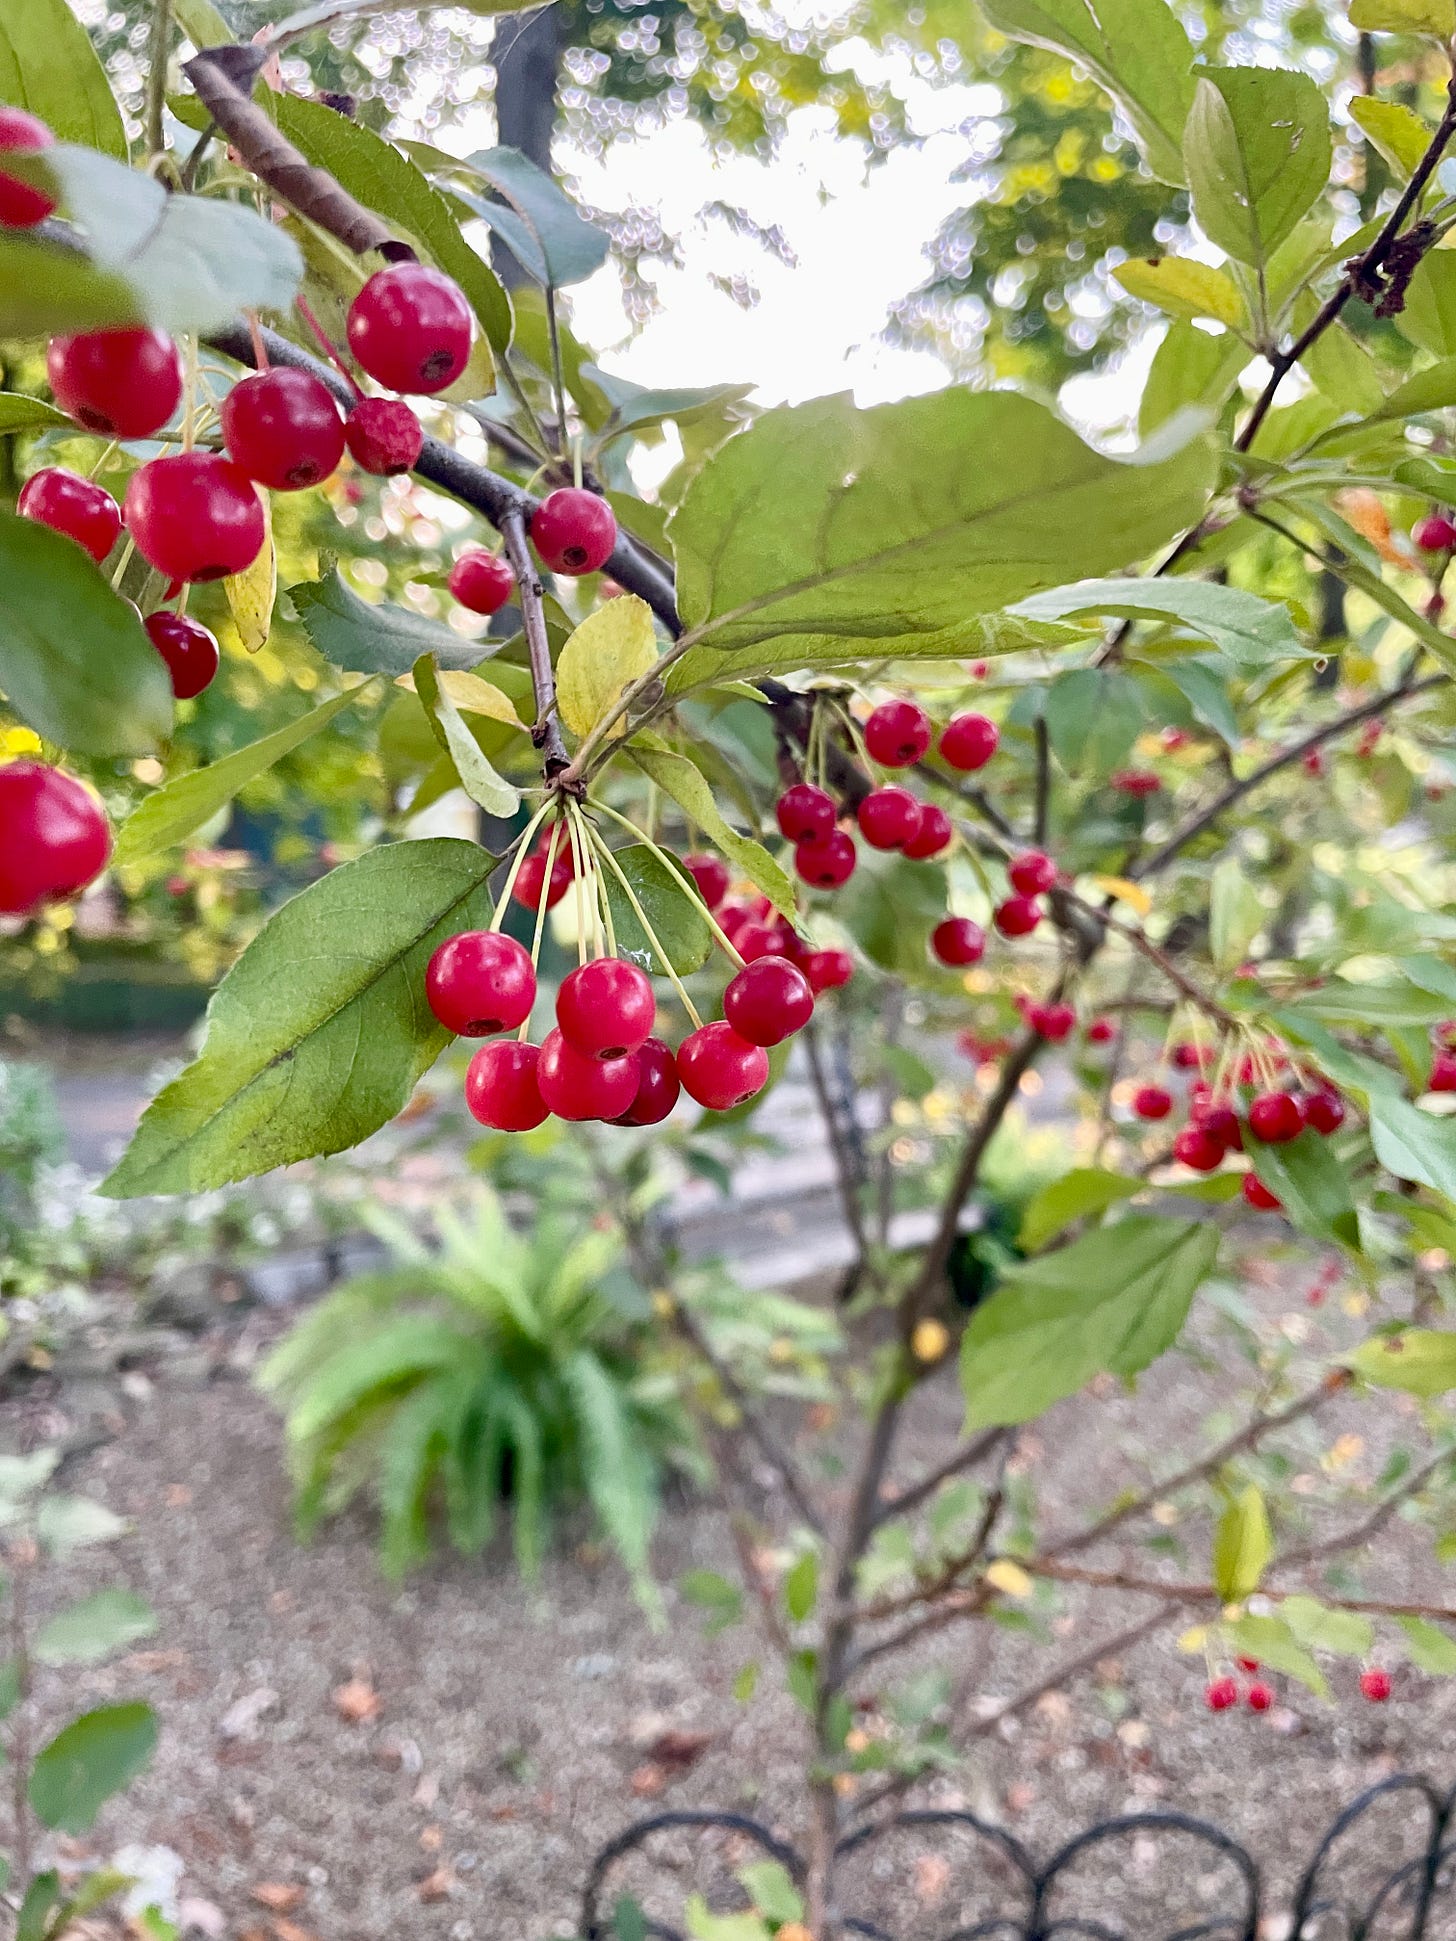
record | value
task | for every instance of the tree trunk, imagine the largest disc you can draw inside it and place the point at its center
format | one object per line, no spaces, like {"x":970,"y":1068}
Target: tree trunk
{"x":525,"y":102}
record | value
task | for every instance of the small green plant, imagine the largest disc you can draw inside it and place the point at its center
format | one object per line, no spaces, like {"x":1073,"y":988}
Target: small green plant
{"x":30,"y":1140}
{"x":503,"y":1368}
{"x":62,"y":1782}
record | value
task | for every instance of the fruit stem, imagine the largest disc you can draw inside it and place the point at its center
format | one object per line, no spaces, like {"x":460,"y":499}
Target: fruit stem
{"x":610,"y":860}
{"x":327,"y":345}
{"x":260,"y":349}
{"x":523,"y":843}
{"x":106,"y":454}
{"x":546,"y":729}
{"x":690,"y":888}
{"x":577,"y":861}
{"x":551,"y":848}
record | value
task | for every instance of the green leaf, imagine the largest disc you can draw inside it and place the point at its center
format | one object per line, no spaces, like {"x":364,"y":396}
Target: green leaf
{"x":1319,"y":1628}
{"x":629,"y":1923}
{"x":67,"y":1523}
{"x":703,"y":1925}
{"x":1086,"y":1189}
{"x":714,"y":1594}
{"x":1272,"y":1642}
{"x":614,"y":646}
{"x":183,"y":262}
{"x":20,"y":413}
{"x":1206,"y":690}
{"x":1436,"y":17}
{"x":298,"y":1065}
{"x":643,"y":410}
{"x":1399,"y":134}
{"x":1432,"y":389}
{"x":42,"y":1898}
{"x":1135,"y":49}
{"x":1242,"y":1547}
{"x":681,"y":779}
{"x":771,"y":1890}
{"x":1413,"y":1144}
{"x":1312,"y":1187}
{"x":1189,"y":368}
{"x":1418,"y":1361}
{"x":94,"y":1757}
{"x":477,"y":777}
{"x":1339,"y":363}
{"x":746,"y":1683}
{"x":1111,"y":1301}
{"x":75,"y":662}
{"x":536,"y":219}
{"x":21,"y":1476}
{"x":362,"y":637}
{"x":173,"y":811}
{"x":1428,"y":317}
{"x":801,"y":1587}
{"x":94,"y":1628}
{"x":45,"y":288}
{"x":898,"y":534}
{"x":668,"y":902}
{"x":1181,"y":287}
{"x":376,"y":173}
{"x":1254,"y":633}
{"x":1257,"y":149}
{"x":1431,"y":1649}
{"x":49,"y":67}
{"x":1235,"y":913}
{"x":1093,"y":716}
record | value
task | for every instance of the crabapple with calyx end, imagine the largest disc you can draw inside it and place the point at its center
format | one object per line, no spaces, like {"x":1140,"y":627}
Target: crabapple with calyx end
{"x":1220,"y":1694}
{"x":720,"y":1069}
{"x":889,"y":818}
{"x":1257,"y":1194}
{"x":1276,"y":1117}
{"x":195,"y":516}
{"x":578,"y":1087}
{"x":1152,"y":1102}
{"x":482,"y":581}
{"x":1375,"y":1685}
{"x":968,"y":741}
{"x":283,"y":427}
{"x":768,"y":1001}
{"x":121,"y":383}
{"x":54,"y":837}
{"x":897,"y":733}
{"x":710,"y":874}
{"x":77,"y":507}
{"x":934,"y":835}
{"x":805,"y":813}
{"x":409,"y":328}
{"x":501,"y":1088}
{"x":606,"y":1009}
{"x":1195,"y":1146}
{"x":1032,"y":873}
{"x":826,"y":862}
{"x":1325,"y":1112}
{"x":384,"y":436}
{"x":1436,"y":533}
{"x":189,"y":649}
{"x":958,"y":942}
{"x":21,"y":206}
{"x":658,"y":1086}
{"x":573,"y":531}
{"x":479,"y":982}
{"x":827,"y":970}
{"x":1018,"y":916}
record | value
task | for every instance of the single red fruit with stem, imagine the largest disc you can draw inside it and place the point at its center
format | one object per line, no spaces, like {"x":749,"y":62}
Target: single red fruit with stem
{"x":968,"y":741}
{"x":720,"y":1069}
{"x":283,"y":427}
{"x":1220,"y":1694}
{"x":1257,"y":1194}
{"x":957,"y":942}
{"x":827,"y":970}
{"x":1195,"y":1146}
{"x":479,"y":982}
{"x":935,"y":834}
{"x":1276,"y":1118}
{"x":501,"y":1088}
{"x":1260,"y":1696}
{"x":530,"y":884}
{"x":768,"y":1001}
{"x":21,"y":205}
{"x":805,"y":813}
{"x":482,"y":581}
{"x":897,"y":733}
{"x":606,"y":1009}
{"x":1220,"y":1123}
{"x":81,"y":509}
{"x":1189,"y":1058}
{"x":755,"y":939}
{"x":195,"y":516}
{"x":1325,"y":1112}
{"x":1101,"y":1031}
{"x":1436,"y":533}
{"x":826,"y":862}
{"x":576,"y":1087}
{"x":1152,"y":1102}
{"x":122,"y":383}
{"x":573,"y":531}
{"x":54,"y":838}
{"x":409,"y":328}
{"x":1443,"y":1072}
{"x":710,"y":873}
{"x":1375,"y":1685}
{"x":889,"y":818}
{"x":384,"y":436}
{"x":1032,"y":873}
{"x":188,"y":648}
{"x":658,"y":1086}
{"x":1018,"y":916}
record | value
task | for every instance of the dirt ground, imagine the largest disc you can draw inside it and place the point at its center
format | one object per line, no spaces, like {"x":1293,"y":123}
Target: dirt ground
{"x":351,"y":1760}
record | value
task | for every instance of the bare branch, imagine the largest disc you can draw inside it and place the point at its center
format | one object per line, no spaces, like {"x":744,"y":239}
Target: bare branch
{"x":963,"y":1458}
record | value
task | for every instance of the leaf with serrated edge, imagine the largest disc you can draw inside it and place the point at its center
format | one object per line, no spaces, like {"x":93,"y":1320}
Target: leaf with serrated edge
{"x":611,"y":648}
{"x":366,"y":637}
{"x":1253,"y":633}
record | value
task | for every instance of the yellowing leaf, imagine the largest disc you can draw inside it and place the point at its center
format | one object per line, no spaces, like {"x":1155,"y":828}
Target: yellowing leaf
{"x":1242,"y":1547}
{"x":1194,"y":1639}
{"x":1421,"y":1361}
{"x":1404,"y":17}
{"x":1182,"y":288}
{"x":1009,"y":1578}
{"x":930,"y":1340}
{"x":610,"y":649}
{"x":1401,"y":136}
{"x":250,"y":594}
{"x":1133,"y":894}
{"x":471,"y":693}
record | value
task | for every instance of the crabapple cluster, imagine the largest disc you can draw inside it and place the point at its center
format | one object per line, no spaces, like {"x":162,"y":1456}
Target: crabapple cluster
{"x":1222,"y":1693}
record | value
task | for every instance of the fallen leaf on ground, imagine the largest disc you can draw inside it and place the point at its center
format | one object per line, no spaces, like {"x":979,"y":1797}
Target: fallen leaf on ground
{"x":678,"y":1749}
{"x":648,"y":1782}
{"x":432,"y":1838}
{"x":357,"y":1702}
{"x":240,"y":1720}
{"x":291,"y":1931}
{"x":437,"y":1886}
{"x":278,"y":1896}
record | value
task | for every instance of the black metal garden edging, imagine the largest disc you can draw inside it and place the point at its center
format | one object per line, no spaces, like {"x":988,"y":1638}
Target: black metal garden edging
{"x":1385,"y":1870}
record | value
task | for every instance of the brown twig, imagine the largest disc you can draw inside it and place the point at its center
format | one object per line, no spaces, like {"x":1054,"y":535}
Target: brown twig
{"x":1074,"y":1667}
{"x":546,"y":729}
{"x":963,"y":1458}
